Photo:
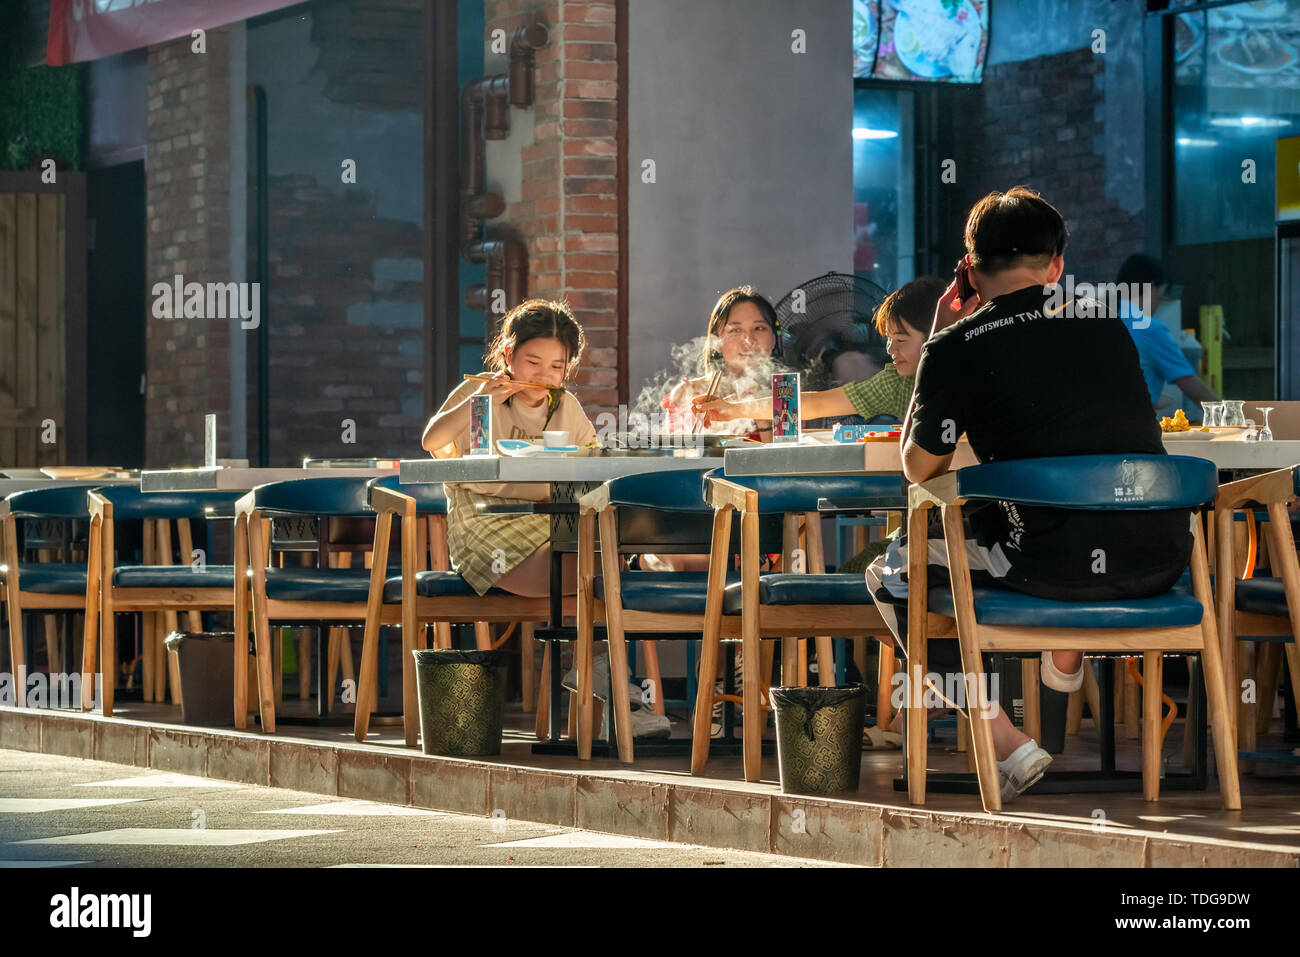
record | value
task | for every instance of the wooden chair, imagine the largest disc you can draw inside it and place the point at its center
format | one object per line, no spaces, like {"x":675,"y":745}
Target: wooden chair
{"x":38,"y":587}
{"x":1258,"y":609}
{"x":996,"y":619}
{"x":290,"y":595}
{"x":663,"y":513}
{"x":784,"y":604}
{"x":416,"y":598}
{"x":158,"y":588}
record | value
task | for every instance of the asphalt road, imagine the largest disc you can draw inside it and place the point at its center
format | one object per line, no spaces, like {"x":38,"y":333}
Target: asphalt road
{"x":60,"y":811}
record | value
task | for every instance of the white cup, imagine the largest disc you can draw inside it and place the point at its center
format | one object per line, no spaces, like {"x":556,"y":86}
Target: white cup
{"x":555,"y":439}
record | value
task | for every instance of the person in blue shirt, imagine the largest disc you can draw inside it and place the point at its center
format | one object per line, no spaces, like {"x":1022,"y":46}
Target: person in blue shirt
{"x":1162,"y":360}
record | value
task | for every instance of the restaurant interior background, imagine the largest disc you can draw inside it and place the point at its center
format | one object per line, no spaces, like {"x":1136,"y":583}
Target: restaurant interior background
{"x":673,"y":149}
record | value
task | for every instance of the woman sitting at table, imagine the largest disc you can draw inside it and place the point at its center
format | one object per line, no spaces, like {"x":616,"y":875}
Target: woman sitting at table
{"x":741,"y":338}
{"x":539,"y":342}
{"x":904,"y":319}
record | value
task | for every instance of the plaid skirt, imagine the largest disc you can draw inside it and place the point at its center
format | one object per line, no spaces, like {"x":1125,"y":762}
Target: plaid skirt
{"x":483,"y":548}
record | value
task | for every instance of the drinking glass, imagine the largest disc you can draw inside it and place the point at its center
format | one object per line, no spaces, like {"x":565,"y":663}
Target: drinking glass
{"x":1266,"y":434}
{"x":1213,"y":414}
{"x":1233,"y":413}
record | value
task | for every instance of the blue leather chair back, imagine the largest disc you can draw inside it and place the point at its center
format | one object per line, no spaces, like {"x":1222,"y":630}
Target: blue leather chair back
{"x":779,"y":494}
{"x":429,"y":496}
{"x":1135,"y":482}
{"x":131,"y":503}
{"x":64,"y":501}
{"x":316,"y":496}
{"x":677,"y":491}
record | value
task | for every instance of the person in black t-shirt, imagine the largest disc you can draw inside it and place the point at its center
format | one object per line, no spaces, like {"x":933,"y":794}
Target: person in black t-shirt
{"x":1024,"y":374}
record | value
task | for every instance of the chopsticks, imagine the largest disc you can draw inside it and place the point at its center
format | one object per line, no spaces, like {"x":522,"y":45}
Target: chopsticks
{"x":713,"y":385}
{"x":526,"y":385}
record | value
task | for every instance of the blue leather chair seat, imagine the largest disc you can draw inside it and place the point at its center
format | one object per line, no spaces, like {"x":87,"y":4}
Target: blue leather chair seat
{"x":810,"y":589}
{"x":673,"y":593}
{"x":174,"y":576}
{"x":1002,"y":606}
{"x":51,"y":578}
{"x":1261,"y":596}
{"x":433,"y":584}
{"x":318,"y":584}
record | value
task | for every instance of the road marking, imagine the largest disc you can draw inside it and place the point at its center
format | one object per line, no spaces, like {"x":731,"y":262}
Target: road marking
{"x":12,"y":864}
{"x":161,"y":781}
{"x":41,"y":805}
{"x":178,"y":836}
{"x":459,"y":866}
{"x":360,"y":809}
{"x":588,"y":839}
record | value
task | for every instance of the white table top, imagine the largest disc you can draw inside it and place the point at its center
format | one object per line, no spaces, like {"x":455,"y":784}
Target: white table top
{"x":847,"y":458}
{"x":1226,"y":451}
{"x":24,"y":484}
{"x":225,"y":479}
{"x":578,"y":468}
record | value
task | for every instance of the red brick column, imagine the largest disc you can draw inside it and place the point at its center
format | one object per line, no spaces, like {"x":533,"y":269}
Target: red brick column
{"x":186,"y":187}
{"x":568,"y":214}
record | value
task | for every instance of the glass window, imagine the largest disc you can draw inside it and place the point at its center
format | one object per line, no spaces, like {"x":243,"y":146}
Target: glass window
{"x":1236,"y":90}
{"x":883,"y":203}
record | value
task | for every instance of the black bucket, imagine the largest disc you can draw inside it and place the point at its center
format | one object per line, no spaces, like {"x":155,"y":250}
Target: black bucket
{"x":462,"y":701}
{"x":207,"y":671}
{"x":819,"y":738}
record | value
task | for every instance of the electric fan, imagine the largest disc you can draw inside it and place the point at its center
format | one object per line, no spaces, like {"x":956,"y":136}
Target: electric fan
{"x":826,"y":325}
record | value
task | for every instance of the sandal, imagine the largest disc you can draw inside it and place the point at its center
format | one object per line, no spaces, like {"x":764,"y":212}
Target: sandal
{"x":878,"y":739}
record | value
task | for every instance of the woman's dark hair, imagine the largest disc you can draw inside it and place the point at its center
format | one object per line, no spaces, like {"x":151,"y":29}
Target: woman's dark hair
{"x":911,"y":304}
{"x":1006,"y":229}
{"x":537,"y":319}
{"x":1141,"y":270}
{"x":722,"y":310}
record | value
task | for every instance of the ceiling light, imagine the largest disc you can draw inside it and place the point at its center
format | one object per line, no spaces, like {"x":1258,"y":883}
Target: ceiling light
{"x":866,"y":133}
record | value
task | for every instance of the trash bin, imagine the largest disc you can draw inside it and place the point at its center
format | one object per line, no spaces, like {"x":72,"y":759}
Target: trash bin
{"x":819,"y":738}
{"x":462,"y":701}
{"x":207,"y":669}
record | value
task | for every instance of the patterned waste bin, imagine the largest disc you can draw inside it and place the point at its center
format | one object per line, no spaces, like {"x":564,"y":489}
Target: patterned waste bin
{"x":819,"y":738}
{"x":462,"y":701}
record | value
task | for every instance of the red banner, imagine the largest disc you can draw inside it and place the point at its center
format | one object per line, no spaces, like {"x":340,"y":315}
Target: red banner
{"x":89,"y":29}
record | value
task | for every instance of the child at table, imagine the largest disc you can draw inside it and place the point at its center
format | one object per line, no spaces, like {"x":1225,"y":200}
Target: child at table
{"x":904,"y":319}
{"x":539,"y":342}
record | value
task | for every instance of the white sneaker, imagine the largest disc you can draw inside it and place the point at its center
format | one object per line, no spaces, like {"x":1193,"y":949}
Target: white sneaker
{"x":1022,"y":770}
{"x":646,"y":725}
{"x":600,"y":681}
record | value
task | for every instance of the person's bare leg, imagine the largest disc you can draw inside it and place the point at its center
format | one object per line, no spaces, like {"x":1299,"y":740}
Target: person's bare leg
{"x":1067,"y":662}
{"x":1006,"y":736}
{"x":531,"y":578}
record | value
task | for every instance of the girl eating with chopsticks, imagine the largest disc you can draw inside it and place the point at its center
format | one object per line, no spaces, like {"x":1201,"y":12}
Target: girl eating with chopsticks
{"x":538,"y":347}
{"x":742,"y":336}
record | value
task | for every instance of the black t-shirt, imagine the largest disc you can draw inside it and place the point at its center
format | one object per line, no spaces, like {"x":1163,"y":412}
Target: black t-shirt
{"x":1024,"y":377}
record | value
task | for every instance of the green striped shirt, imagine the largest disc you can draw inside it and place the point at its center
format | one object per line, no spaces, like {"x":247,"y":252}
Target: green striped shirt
{"x":885,"y":393}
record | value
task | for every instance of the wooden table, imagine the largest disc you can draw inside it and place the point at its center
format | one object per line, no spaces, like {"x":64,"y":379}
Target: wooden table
{"x":227,"y":479}
{"x":570,"y":477}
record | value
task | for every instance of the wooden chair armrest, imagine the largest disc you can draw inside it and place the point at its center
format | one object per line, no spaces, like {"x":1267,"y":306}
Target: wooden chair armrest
{"x":388,"y":500}
{"x":98,"y":506}
{"x":721,"y":493}
{"x":597,"y":500}
{"x":937,"y":491}
{"x":1267,"y":489}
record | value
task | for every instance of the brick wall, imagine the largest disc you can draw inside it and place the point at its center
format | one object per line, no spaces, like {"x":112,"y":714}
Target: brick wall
{"x":187,"y":223}
{"x":1037,"y":123}
{"x":568,"y":213}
